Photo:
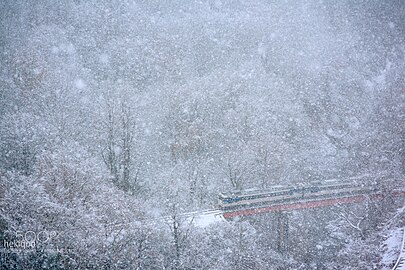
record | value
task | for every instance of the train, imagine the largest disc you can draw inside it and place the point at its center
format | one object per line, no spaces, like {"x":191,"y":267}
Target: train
{"x":287,"y":193}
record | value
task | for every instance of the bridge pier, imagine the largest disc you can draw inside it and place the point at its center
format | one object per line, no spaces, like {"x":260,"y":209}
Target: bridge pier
{"x":373,"y":217}
{"x":282,"y":232}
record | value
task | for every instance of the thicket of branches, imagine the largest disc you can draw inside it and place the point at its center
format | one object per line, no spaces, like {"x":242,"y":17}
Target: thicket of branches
{"x":113,"y":111}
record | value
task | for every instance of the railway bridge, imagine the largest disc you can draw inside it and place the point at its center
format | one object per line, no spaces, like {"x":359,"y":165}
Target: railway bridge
{"x":280,"y":200}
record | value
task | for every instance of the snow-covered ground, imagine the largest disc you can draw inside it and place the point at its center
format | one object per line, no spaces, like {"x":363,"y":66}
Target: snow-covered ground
{"x":392,"y":246}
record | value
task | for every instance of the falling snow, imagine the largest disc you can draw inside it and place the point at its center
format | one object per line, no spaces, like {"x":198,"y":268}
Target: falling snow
{"x":212,"y":134}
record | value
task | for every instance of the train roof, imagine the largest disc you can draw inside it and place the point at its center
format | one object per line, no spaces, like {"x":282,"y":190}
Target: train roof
{"x":251,"y":191}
